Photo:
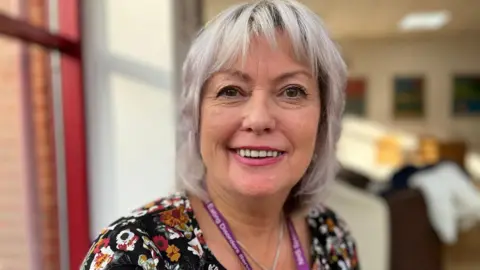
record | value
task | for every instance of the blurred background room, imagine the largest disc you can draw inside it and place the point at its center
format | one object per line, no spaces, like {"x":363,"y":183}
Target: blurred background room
{"x":88,"y":98}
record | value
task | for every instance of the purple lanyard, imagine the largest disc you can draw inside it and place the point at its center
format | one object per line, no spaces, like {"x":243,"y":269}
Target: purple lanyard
{"x":221,"y":222}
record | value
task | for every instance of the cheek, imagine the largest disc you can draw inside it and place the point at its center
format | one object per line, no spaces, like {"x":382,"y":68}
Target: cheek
{"x":304,"y":130}
{"x":214,"y":131}
{"x":301,"y":130}
{"x":207,"y":127}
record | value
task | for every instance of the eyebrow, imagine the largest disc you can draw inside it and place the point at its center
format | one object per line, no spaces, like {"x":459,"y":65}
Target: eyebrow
{"x":244,"y":76}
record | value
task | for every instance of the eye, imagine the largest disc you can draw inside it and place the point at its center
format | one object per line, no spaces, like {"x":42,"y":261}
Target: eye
{"x":229,"y":92}
{"x":294,"y":91}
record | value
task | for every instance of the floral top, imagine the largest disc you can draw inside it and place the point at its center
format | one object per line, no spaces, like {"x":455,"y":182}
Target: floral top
{"x":165,"y":235}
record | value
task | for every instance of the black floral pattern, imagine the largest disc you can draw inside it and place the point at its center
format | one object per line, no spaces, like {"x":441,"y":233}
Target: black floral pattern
{"x":165,"y":235}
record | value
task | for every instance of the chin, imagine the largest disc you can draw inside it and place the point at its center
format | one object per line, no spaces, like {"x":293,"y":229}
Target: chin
{"x":258,"y":181}
{"x":258,"y":186}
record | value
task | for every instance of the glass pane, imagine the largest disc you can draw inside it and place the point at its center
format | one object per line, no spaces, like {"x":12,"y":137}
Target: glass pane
{"x":39,"y":74}
{"x":33,"y":11}
{"x":37,"y":12}
{"x":11,"y":8}
{"x":28,"y":194}
{"x":14,"y":187}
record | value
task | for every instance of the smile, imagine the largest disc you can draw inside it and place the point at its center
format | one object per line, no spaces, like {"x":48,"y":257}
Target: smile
{"x":252,"y":153}
{"x":263,"y":156}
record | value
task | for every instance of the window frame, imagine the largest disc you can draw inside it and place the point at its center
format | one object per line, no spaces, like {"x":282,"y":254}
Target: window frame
{"x":68,"y":42}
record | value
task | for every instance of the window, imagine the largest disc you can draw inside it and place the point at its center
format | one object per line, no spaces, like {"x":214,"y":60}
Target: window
{"x":42,"y":137}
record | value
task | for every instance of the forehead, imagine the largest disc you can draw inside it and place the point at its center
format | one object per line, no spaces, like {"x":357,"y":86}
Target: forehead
{"x":267,"y":58}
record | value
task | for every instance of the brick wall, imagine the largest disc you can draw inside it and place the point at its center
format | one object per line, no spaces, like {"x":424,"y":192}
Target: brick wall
{"x":14,"y":233}
{"x":15,"y":218}
{"x":40,"y":74}
{"x":44,"y":157}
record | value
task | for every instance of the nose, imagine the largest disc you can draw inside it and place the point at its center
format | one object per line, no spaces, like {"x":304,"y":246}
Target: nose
{"x":258,"y":117}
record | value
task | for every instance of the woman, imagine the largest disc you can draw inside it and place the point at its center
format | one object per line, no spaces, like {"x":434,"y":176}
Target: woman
{"x":261,"y":110}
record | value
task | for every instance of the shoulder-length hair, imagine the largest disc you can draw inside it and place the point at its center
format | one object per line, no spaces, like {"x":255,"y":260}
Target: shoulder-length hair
{"x":227,"y":37}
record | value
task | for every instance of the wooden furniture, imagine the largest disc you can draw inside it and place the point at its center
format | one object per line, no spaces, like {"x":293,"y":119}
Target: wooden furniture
{"x":429,"y":150}
{"x":432,"y":150}
{"x":454,"y":150}
{"x":464,"y":254}
{"x":389,"y":151}
{"x":413,"y":242}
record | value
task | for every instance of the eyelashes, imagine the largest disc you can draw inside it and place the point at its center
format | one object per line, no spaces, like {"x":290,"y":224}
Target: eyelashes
{"x":289,"y":92}
{"x":294,"y":91}
{"x":229,"y":92}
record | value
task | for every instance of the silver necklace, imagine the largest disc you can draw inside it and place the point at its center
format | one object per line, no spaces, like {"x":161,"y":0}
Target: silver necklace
{"x":277,"y":253}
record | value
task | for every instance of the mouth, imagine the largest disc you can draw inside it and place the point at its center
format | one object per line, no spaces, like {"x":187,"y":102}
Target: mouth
{"x":257,"y":156}
{"x":258,"y":153}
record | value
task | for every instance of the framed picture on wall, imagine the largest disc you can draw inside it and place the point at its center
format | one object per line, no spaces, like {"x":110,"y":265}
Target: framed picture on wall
{"x":409,"y":97}
{"x":466,"y":95}
{"x":355,"y":102}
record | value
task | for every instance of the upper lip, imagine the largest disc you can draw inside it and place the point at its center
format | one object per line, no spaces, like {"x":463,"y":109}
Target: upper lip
{"x":259,"y":148}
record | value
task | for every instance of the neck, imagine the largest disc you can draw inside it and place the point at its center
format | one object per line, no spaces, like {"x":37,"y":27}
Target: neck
{"x":256,"y":215}
{"x":249,"y":217}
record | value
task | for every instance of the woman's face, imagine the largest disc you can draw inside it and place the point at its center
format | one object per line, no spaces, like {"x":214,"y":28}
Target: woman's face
{"x":259,"y":121}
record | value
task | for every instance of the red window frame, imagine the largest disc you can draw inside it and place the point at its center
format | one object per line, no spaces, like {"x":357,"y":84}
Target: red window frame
{"x":68,"y":42}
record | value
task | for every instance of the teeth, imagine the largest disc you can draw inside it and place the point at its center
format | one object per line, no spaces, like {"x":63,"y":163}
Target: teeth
{"x":257,"y":153}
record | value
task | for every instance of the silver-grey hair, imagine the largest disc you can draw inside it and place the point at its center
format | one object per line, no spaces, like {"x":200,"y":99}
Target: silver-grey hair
{"x":227,"y":37}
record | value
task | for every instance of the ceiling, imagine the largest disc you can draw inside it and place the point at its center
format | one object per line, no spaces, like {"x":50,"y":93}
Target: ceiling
{"x":360,"y":19}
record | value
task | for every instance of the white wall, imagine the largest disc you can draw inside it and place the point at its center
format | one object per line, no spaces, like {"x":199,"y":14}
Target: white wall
{"x":380,"y":60}
{"x":132,"y":54}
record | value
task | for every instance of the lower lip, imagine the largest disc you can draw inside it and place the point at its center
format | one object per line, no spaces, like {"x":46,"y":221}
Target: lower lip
{"x":257,"y":161}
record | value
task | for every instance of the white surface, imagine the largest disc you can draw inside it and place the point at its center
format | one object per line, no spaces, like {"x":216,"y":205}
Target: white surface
{"x":418,"y":21}
{"x":132,"y":56}
{"x":472,"y":164}
{"x":357,"y":146}
{"x":145,"y":142}
{"x":453,"y":202}
{"x":368,"y":219}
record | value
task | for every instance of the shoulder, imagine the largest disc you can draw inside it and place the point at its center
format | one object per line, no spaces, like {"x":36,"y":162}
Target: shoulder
{"x":327,"y":221}
{"x":152,"y":237}
{"x":332,"y":239}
